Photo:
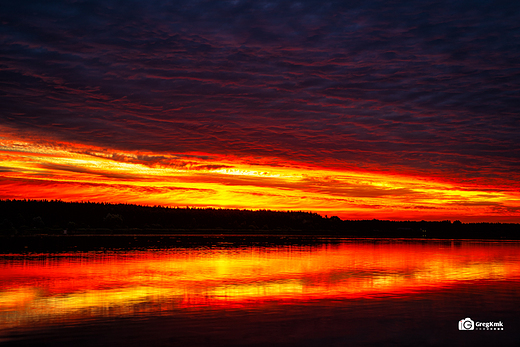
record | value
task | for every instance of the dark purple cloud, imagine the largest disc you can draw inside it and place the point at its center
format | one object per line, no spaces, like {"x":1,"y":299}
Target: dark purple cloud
{"x":421,"y":86}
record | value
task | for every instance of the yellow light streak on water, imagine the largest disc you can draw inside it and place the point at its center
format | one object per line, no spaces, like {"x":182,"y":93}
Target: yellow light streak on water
{"x":83,"y":286}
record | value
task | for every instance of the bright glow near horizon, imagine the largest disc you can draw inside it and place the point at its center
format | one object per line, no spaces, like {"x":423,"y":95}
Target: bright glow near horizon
{"x":73,"y":172}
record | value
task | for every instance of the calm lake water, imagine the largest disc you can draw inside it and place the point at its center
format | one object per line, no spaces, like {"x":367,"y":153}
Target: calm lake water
{"x":327,"y":293}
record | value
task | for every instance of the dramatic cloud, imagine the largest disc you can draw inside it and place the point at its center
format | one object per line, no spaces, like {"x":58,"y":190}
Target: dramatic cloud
{"x":426,"y":89}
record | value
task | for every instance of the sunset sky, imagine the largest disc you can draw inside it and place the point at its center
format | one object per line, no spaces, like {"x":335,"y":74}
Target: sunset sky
{"x":400,"y":110}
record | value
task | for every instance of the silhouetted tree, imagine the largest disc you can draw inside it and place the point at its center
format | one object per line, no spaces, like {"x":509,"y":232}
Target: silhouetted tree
{"x":113,"y":220}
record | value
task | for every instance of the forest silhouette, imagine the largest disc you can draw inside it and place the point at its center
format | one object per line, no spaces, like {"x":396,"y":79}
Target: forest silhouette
{"x":56,"y":217}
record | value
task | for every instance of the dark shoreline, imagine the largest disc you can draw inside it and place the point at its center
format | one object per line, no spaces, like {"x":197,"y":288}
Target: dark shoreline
{"x":26,"y":244}
{"x":25,"y":220}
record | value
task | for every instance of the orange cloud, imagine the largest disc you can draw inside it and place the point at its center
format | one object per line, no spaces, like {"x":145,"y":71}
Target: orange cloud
{"x":73,"y":172}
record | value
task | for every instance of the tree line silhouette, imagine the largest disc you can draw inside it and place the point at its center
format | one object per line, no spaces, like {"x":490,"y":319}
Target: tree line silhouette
{"x":30,"y":217}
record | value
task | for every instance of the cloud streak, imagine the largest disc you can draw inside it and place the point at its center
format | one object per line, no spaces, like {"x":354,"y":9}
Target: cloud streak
{"x":76,"y":174}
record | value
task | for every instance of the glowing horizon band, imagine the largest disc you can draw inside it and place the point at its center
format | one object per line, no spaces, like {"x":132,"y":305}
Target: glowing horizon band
{"x":207,"y":180}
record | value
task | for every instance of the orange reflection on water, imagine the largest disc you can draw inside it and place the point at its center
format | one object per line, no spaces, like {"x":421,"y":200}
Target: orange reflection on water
{"x":64,"y":288}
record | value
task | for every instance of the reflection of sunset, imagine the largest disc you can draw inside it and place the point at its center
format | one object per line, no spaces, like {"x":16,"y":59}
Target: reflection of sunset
{"x":90,"y":285}
{"x":73,"y":172}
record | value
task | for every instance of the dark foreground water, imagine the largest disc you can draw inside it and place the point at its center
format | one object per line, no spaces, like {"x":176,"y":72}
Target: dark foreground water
{"x":348,"y":293}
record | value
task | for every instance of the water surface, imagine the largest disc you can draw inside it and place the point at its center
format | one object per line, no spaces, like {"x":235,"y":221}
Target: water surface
{"x":363,"y":292}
